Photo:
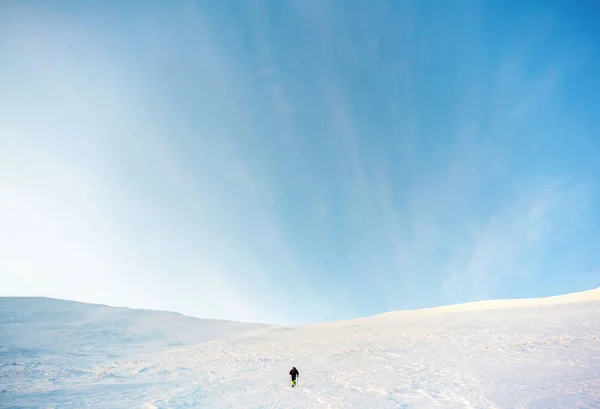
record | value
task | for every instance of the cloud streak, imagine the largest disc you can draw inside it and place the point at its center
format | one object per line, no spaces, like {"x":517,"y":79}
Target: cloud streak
{"x":295,"y":162}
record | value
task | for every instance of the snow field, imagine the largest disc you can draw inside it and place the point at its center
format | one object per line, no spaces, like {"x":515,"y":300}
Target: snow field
{"x":537,"y":354}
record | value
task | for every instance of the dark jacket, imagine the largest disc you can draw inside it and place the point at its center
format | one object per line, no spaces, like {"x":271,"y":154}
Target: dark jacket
{"x":294,"y":372}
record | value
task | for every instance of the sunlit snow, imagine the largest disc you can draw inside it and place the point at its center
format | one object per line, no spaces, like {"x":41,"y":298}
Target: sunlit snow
{"x":540,"y":353}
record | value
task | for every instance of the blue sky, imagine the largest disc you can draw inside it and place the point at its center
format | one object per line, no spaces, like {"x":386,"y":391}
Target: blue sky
{"x":298,"y":161}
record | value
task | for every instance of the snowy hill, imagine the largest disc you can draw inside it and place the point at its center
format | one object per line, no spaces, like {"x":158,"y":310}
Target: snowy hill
{"x":542,"y":353}
{"x":57,"y":325}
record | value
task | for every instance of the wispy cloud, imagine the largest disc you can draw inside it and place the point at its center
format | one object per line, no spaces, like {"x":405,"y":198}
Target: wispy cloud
{"x":503,"y":255}
{"x":294,"y":162}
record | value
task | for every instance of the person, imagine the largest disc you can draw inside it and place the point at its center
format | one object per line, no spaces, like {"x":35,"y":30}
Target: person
{"x":295,"y":374}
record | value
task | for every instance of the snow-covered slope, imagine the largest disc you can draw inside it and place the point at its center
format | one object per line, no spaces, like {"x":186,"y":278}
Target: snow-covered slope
{"x":499,"y":354}
{"x":57,"y":325}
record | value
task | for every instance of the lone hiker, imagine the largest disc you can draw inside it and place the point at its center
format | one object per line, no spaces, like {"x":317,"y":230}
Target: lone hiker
{"x":294,"y":372}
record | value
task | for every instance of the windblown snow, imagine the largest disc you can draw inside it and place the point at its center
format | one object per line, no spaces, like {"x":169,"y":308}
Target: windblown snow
{"x":539,"y":353}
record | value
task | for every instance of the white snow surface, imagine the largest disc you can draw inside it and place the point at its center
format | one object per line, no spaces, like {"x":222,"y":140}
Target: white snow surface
{"x":537,"y":353}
